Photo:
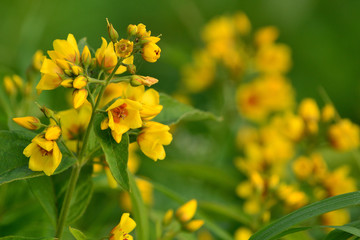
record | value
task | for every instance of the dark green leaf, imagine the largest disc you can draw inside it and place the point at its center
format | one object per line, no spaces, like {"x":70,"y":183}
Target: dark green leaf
{"x":14,"y":164}
{"x":175,"y":111}
{"x":82,"y":196}
{"x":116,"y":154}
{"x":339,"y":234}
{"x":78,"y":235}
{"x":139,"y":210}
{"x":307,"y":212}
{"x":24,"y":238}
{"x":43,"y":189}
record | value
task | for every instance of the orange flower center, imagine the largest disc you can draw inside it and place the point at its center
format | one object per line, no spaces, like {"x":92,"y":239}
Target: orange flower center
{"x":120,"y":112}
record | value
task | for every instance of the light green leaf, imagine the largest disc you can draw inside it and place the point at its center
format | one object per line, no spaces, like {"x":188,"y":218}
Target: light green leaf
{"x":139,"y":210}
{"x":43,"y":189}
{"x":307,"y":212}
{"x":78,"y":235}
{"x":82,"y":196}
{"x":116,"y":154}
{"x":14,"y":164}
{"x":175,"y":111}
{"x":339,"y":234}
{"x":24,"y":238}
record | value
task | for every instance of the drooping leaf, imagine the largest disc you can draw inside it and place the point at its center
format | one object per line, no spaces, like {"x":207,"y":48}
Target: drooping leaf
{"x":43,"y":189}
{"x":139,"y":210}
{"x":175,"y":111}
{"x":82,"y":196}
{"x":14,"y":164}
{"x":116,"y":154}
{"x":78,"y":235}
{"x":307,"y":212}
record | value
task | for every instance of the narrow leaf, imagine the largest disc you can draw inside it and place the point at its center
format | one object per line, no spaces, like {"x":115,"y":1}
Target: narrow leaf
{"x":43,"y":189}
{"x":78,"y":235}
{"x":175,"y":111}
{"x":116,"y":154}
{"x":307,"y":212}
{"x":139,"y":210}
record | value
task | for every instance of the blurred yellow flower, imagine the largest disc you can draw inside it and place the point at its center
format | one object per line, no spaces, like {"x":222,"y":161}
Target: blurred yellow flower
{"x":194,"y":225}
{"x":344,"y":135}
{"x":243,"y":233}
{"x":336,"y":218}
{"x":328,"y":113}
{"x":266,"y":36}
{"x":274,"y":58}
{"x":38,"y":59}
{"x":187,"y":211}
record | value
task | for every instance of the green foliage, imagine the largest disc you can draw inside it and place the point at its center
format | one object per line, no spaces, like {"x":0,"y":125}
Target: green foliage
{"x":78,"y":235}
{"x":24,"y":238}
{"x":340,"y":234}
{"x":116,"y":154}
{"x":175,"y":111}
{"x":307,"y":212}
{"x":43,"y":189}
{"x":14,"y":164}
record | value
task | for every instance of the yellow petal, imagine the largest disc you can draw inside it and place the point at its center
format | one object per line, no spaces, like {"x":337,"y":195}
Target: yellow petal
{"x":127,"y":224}
{"x":104,"y":124}
{"x":43,"y":143}
{"x":186,"y":211}
{"x":49,"y":82}
{"x":28,"y":151}
{"x":79,"y":97}
{"x":52,"y":133}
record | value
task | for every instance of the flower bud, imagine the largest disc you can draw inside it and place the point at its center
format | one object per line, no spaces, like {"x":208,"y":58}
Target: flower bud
{"x":141,"y":31}
{"x":328,"y":113}
{"x":68,"y":83}
{"x":37,"y":60}
{"x":168,"y":217}
{"x":31,"y":123}
{"x":86,"y":57}
{"x":76,"y":70}
{"x":132,"y":29}
{"x":52,"y":133}
{"x":18,"y":81}
{"x":113,"y":34}
{"x":186,"y":211}
{"x":193,"y":225}
{"x":79,"y":97}
{"x":137,"y":80}
{"x":151,"y":52}
{"x":9,"y":86}
{"x":131,"y":68}
{"x":80,"y":82}
{"x":46,"y":111}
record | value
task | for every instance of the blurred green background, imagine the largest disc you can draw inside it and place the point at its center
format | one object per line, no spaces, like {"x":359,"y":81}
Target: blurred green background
{"x":324,"y":36}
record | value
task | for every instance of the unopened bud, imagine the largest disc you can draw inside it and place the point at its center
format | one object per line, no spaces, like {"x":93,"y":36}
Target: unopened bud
{"x":186,"y":211}
{"x":47,"y":112}
{"x":68,"y":72}
{"x":79,"y":97}
{"x":113,"y":34}
{"x":76,"y":70}
{"x":31,"y":123}
{"x":52,"y":133}
{"x":132,"y":29}
{"x":86,"y":57}
{"x":137,"y":80}
{"x":131,"y":68}
{"x":80,"y":82}
{"x":168,"y":217}
{"x":68,"y":83}
{"x":18,"y":81}
{"x":9,"y":86}
{"x":193,"y":225}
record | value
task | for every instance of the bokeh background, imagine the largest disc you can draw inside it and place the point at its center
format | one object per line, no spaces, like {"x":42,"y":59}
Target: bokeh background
{"x":322,"y":34}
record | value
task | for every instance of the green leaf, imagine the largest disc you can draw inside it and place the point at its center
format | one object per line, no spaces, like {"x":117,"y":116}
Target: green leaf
{"x":339,"y":234}
{"x":23,"y":238}
{"x":139,"y":210}
{"x":43,"y":189}
{"x":116,"y":154}
{"x":175,"y":111}
{"x":307,"y":212}
{"x":14,"y":164}
{"x":78,"y":235}
{"x":82,"y":196}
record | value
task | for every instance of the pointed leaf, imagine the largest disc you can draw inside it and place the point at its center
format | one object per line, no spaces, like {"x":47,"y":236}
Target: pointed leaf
{"x":116,"y":154}
{"x":43,"y":189}
{"x":78,"y":235}
{"x":14,"y":164}
{"x":175,"y":111}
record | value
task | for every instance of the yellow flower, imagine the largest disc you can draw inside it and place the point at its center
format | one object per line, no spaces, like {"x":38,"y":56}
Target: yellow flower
{"x":266,"y":36}
{"x":9,"y":85}
{"x":38,"y":59}
{"x":302,"y":167}
{"x":86,"y":56}
{"x":52,"y":75}
{"x":310,"y":112}
{"x":52,"y":133}
{"x":339,"y":182}
{"x":66,"y":49}
{"x":336,"y":218}
{"x":123,"y":114}
{"x":168,"y":217}
{"x":243,"y":233}
{"x":141,"y":31}
{"x":122,"y":230}
{"x":328,"y":113}
{"x":187,"y":211}
{"x":194,"y":225}
{"x":31,"y":123}
{"x":137,"y":80}
{"x":274,"y":58}
{"x":344,"y":135}
{"x":79,"y":97}
{"x":124,"y":48}
{"x":242,"y":23}
{"x":79,"y":82}
{"x":44,"y":155}
{"x":151,"y":52}
{"x":152,"y":138}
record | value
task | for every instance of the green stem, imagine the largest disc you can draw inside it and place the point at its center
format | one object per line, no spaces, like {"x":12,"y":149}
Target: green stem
{"x":66,"y":204}
{"x":77,"y":167}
